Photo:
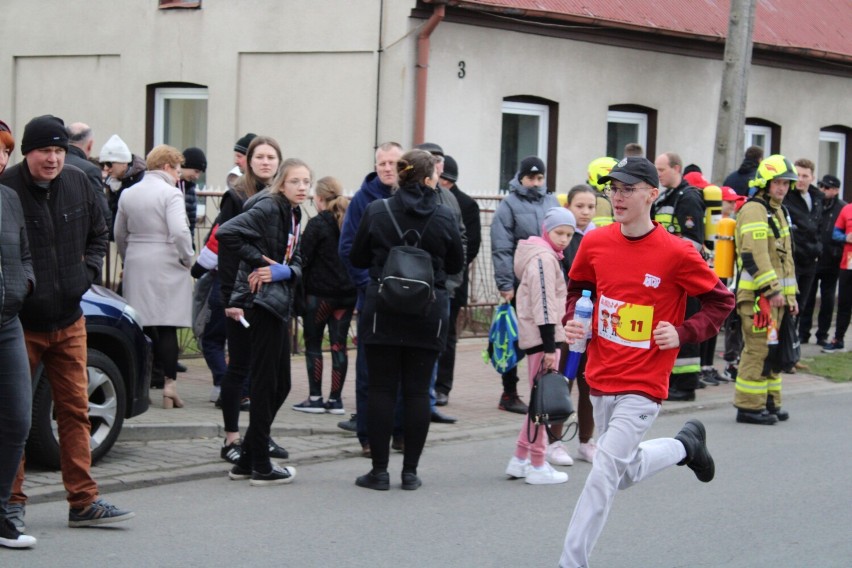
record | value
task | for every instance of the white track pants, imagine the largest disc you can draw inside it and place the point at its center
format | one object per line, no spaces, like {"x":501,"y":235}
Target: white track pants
{"x":621,"y":461}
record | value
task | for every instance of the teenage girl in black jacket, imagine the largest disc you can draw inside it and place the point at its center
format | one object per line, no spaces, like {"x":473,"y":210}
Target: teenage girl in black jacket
{"x":266,"y":239}
{"x":329,"y":297}
{"x":402,"y":350}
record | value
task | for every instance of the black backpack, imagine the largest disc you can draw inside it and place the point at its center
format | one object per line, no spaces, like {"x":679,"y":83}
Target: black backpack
{"x":407,"y":284}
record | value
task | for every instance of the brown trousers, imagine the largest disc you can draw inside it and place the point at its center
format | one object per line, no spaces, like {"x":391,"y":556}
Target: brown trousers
{"x":63,"y":353}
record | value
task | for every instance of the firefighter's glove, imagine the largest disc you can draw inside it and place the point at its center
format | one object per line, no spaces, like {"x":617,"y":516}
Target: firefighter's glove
{"x":762,"y":314}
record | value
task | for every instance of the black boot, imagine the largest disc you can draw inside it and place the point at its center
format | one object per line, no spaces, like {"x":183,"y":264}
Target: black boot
{"x":782,"y":415}
{"x":694,"y":439}
{"x":762,"y":417}
{"x":681,"y":395}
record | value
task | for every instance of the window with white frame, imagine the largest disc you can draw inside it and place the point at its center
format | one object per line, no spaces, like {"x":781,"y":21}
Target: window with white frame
{"x":758,"y":135}
{"x":525,"y":133}
{"x":180,"y":117}
{"x":832,"y":154}
{"x":624,"y":128}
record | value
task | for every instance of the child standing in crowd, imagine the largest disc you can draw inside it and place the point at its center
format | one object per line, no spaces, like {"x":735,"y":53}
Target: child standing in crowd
{"x":582,"y":200}
{"x":329,"y":297}
{"x":266,"y":239}
{"x":541,"y":306}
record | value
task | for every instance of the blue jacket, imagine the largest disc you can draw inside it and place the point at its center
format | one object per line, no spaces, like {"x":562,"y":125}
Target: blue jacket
{"x":371,"y":189}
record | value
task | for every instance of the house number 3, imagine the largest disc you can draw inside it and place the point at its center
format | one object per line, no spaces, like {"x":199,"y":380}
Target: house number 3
{"x":462,"y":71}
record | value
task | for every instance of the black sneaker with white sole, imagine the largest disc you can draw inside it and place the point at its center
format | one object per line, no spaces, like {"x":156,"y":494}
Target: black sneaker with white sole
{"x":10,"y":537}
{"x":231,"y":452}
{"x":238,"y":473}
{"x":277,"y":476}
{"x":277,"y":452}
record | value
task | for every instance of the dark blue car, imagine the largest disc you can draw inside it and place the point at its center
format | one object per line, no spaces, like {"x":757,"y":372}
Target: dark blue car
{"x":119,"y":365}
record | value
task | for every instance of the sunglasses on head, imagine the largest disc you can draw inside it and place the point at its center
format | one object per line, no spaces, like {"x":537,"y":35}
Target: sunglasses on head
{"x":5,"y":127}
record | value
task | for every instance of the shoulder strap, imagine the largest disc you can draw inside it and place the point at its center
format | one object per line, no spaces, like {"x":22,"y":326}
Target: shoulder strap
{"x":769,"y":217}
{"x":399,"y":231}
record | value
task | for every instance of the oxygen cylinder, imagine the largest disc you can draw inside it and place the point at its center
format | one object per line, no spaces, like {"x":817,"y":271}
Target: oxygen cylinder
{"x":724,"y":265}
{"x":713,"y":211}
{"x":562,"y":198}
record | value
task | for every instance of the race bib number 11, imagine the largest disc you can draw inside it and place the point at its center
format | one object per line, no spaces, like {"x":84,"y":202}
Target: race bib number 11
{"x":626,"y":324}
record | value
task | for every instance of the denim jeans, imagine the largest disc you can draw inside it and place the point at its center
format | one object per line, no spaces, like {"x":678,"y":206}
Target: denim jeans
{"x":15,"y":404}
{"x":63,"y":353}
{"x":213,"y":338}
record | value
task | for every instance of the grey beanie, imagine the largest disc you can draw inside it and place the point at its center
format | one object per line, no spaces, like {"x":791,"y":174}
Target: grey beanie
{"x":557,"y":216}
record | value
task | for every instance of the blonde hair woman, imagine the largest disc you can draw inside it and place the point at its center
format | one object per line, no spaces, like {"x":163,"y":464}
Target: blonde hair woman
{"x":153,"y":239}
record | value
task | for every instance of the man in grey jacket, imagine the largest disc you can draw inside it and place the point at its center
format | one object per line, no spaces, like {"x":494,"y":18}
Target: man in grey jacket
{"x":519,"y":216}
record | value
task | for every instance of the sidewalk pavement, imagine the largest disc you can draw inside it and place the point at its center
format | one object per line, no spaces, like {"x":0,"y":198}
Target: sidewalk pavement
{"x":167,"y":446}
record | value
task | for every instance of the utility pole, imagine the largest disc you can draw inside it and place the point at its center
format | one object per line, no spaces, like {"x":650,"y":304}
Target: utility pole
{"x":730,"y":123}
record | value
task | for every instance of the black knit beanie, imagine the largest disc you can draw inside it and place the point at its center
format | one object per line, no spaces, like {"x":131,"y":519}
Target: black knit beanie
{"x":195,"y":159}
{"x":243,"y":143}
{"x":531,"y":165}
{"x":44,"y":131}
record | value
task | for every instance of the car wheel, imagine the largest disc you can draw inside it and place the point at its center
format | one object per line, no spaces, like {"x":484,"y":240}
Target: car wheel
{"x":106,"y":413}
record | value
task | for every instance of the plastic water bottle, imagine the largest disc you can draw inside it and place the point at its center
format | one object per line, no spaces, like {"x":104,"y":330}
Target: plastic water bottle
{"x":582,"y":313}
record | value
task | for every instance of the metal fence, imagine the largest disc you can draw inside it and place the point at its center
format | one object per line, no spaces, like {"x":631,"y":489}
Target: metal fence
{"x":474,"y":320}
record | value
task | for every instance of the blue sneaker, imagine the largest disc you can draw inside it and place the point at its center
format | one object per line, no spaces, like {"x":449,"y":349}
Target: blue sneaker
{"x":312,"y":406}
{"x":836,"y":346}
{"x":98,"y":513}
{"x":334,"y":406}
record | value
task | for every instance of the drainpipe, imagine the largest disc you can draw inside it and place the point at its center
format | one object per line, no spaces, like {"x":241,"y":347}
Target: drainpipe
{"x":423,"y":72}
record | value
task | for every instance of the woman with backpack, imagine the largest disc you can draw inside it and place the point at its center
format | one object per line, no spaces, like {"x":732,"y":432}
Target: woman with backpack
{"x":329,"y":297}
{"x":266,"y":238}
{"x":402,"y":341}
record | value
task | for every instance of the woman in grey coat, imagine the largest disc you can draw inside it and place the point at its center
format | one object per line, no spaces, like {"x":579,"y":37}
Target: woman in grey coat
{"x":152,"y":234}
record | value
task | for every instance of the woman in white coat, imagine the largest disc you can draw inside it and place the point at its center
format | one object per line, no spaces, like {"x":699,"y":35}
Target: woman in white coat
{"x":153,"y":239}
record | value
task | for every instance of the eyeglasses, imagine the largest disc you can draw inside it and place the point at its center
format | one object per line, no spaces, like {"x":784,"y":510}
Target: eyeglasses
{"x":624,"y":190}
{"x":5,"y":127}
{"x":106,"y":164}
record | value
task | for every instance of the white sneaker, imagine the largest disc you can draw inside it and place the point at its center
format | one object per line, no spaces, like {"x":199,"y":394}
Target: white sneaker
{"x":556,"y":454}
{"x":214,"y":394}
{"x":517,"y":469}
{"x":545,"y":475}
{"x":586,"y":452}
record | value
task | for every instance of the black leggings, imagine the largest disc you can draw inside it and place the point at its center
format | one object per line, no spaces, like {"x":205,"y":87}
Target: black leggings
{"x":165,"y":348}
{"x":392,"y":367}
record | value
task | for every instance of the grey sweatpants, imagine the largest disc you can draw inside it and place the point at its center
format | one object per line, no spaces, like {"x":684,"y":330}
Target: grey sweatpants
{"x":620,"y":462}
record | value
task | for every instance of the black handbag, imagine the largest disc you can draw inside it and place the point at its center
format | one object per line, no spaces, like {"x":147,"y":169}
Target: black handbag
{"x":787,"y":352}
{"x":550,"y":403}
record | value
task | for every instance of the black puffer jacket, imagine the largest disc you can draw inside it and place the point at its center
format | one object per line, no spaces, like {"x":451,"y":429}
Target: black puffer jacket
{"x":68,"y":241}
{"x":16,"y":265}
{"x":411,"y":206}
{"x":807,"y":244}
{"x":263,"y":230}
{"x":323,"y":273}
{"x":77,"y":158}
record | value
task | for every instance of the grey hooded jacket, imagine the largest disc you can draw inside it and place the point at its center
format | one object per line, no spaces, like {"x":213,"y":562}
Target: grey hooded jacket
{"x":519,"y":216}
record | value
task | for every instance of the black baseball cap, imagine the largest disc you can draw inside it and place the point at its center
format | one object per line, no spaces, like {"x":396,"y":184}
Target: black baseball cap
{"x":829,"y":180}
{"x":633,"y":170}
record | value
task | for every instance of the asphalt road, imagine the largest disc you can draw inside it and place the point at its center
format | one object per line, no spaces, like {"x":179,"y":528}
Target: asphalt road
{"x":781,"y":497}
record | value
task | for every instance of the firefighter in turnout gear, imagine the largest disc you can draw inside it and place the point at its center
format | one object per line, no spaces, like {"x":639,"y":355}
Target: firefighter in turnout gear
{"x":767,"y":287}
{"x":680,"y":209}
{"x":603,"y":208}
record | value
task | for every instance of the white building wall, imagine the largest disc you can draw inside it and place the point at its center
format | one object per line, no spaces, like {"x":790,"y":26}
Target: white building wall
{"x":312,"y":75}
